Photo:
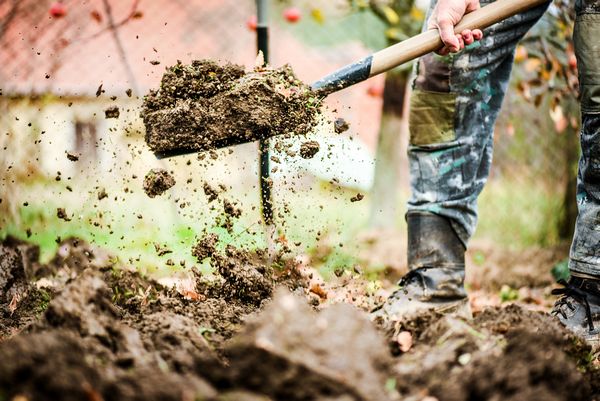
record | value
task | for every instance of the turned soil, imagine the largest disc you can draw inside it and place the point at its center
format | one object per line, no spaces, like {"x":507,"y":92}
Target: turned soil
{"x":205,"y":105}
{"x":81,"y":327}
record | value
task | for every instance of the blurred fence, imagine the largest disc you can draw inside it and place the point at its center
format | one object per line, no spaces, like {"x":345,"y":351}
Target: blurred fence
{"x":70,"y":48}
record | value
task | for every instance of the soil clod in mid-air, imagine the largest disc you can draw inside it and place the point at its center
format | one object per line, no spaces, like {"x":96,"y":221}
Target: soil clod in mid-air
{"x":340,"y":125}
{"x":309,"y":149}
{"x":157,"y":181}
{"x":112,"y":112}
{"x":205,"y":105}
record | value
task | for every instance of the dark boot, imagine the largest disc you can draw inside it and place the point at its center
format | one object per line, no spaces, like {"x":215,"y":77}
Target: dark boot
{"x":579,"y":308}
{"x":436,"y":260}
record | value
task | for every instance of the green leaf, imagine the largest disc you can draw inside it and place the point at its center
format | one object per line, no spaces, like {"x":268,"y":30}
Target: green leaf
{"x":560,"y":271}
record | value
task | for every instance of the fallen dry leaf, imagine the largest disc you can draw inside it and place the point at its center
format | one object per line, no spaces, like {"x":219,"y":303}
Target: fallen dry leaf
{"x":317,"y":289}
{"x":13,"y":304}
{"x":193,"y":295}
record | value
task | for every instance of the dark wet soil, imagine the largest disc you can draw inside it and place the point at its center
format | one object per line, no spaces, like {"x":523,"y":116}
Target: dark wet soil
{"x":205,"y":105}
{"x":157,"y":181}
{"x":80,"y":327}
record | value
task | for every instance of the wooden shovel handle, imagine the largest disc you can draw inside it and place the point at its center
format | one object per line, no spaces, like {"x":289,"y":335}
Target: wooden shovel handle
{"x":419,"y":45}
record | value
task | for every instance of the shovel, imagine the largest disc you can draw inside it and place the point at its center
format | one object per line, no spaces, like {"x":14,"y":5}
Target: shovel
{"x":391,"y":57}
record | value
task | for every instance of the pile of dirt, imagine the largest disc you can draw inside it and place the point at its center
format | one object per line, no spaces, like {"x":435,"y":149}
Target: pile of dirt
{"x":290,"y":352}
{"x":503,"y":354}
{"x":20,"y":301}
{"x":206,"y":106}
{"x":108,"y":333}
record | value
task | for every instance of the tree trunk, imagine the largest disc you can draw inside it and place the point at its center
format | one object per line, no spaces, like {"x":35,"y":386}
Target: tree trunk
{"x":384,"y":194}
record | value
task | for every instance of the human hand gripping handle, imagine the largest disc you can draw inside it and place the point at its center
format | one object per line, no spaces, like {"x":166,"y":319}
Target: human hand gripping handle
{"x":445,"y":16}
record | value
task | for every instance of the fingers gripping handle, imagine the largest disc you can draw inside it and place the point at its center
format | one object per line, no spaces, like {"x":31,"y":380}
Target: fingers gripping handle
{"x":418,"y":45}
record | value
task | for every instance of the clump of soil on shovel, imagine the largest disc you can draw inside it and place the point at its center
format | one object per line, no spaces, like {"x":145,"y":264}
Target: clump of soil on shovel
{"x":205,"y":106}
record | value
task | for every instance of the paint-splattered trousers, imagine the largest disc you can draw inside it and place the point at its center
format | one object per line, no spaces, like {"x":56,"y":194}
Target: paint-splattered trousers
{"x":454,"y":106}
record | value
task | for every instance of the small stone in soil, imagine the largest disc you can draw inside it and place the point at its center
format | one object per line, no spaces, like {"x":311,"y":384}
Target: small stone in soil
{"x":309,"y":149}
{"x":112,"y":112}
{"x":157,"y":181}
{"x":340,"y":125}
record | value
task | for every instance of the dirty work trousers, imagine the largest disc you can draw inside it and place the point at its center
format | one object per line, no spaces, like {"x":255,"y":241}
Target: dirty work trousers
{"x":454,"y":105}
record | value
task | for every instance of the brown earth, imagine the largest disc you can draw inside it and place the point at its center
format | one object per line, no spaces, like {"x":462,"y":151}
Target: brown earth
{"x":205,"y":106}
{"x":79,"y":327}
{"x":157,"y":181}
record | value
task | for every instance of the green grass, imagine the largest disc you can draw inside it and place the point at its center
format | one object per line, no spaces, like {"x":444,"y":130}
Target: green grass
{"x":519,"y":214}
{"x":322,"y":222}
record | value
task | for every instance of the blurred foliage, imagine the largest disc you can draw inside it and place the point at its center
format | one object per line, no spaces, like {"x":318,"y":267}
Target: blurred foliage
{"x":402,"y":18}
{"x":548,"y":64}
{"x":560,"y":271}
{"x":375,"y":23}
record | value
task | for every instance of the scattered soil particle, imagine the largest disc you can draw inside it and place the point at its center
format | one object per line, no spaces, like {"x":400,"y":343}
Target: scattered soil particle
{"x":154,"y":62}
{"x":309,"y":149}
{"x":336,"y":352}
{"x":157,"y":181}
{"x":62,"y":214}
{"x":102,"y":194}
{"x":128,"y":92}
{"x":340,"y":125}
{"x":161,"y":250}
{"x":205,"y":247}
{"x":205,"y":106}
{"x":112,"y":112}
{"x":72,"y":157}
{"x":230,"y":209}
{"x":210,"y":192}
{"x":357,"y":198}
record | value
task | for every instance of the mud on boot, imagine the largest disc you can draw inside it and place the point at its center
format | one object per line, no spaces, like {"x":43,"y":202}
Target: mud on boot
{"x":435,"y":282}
{"x":578,"y":309}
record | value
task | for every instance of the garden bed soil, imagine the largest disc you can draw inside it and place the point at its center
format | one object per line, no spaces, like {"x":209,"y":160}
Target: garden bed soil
{"x":101,"y":332}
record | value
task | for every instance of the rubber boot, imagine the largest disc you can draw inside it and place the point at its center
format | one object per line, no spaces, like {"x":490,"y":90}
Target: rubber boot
{"x":435,"y":281}
{"x":578,"y":309}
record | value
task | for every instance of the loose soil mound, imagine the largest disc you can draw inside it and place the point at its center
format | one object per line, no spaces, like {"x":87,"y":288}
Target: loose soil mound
{"x":104,"y":333}
{"x":205,"y":106}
